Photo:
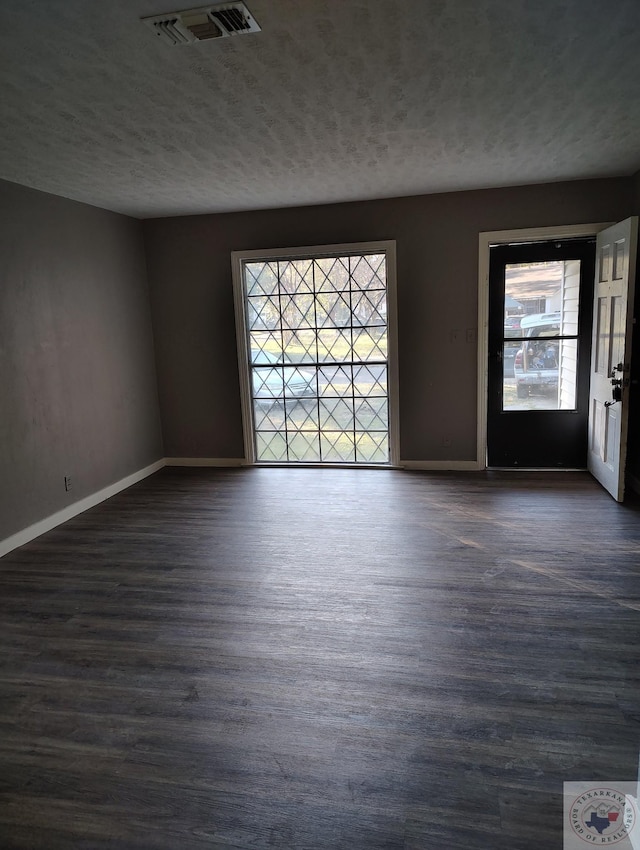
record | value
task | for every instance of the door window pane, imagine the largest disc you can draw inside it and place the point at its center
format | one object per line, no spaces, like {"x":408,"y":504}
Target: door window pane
{"x":540,"y":345}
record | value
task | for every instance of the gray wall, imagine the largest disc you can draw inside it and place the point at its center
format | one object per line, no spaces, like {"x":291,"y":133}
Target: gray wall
{"x":437,"y":245}
{"x":78,"y":391}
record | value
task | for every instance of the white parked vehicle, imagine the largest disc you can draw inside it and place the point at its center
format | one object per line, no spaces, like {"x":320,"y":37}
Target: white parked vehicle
{"x":536,"y":362}
{"x":272,"y":380}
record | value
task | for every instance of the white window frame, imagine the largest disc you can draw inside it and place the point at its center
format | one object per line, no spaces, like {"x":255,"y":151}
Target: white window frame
{"x":238,"y":260}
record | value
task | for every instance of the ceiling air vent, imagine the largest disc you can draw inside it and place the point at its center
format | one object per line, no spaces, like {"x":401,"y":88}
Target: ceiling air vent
{"x":170,"y":29}
{"x":234,"y":18}
{"x":202,"y":24}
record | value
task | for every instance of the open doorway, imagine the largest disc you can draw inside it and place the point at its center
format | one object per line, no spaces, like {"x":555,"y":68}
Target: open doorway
{"x":539,"y":337}
{"x":611,"y":396}
{"x":486,"y":241}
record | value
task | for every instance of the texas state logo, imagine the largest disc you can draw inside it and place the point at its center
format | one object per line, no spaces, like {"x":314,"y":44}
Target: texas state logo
{"x":601,"y":815}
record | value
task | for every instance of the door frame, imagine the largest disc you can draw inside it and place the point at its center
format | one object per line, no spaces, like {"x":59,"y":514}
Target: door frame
{"x":486,"y":240}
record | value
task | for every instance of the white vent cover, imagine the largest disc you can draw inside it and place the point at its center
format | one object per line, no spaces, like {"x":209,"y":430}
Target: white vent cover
{"x":222,"y":20}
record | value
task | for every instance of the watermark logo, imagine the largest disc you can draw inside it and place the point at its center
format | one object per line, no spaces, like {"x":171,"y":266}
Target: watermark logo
{"x":601,"y":815}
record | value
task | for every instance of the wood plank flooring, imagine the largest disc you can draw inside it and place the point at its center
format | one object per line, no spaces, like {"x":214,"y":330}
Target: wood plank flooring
{"x":319,"y":658}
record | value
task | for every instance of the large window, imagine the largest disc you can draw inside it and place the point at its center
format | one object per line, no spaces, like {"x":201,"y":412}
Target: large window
{"x":315,"y":358}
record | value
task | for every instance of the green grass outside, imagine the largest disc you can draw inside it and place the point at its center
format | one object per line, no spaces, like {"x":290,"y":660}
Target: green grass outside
{"x":341,"y":350}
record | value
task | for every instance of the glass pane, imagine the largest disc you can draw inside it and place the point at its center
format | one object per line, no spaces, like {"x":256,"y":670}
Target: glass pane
{"x":299,"y":383}
{"x":541,"y":303}
{"x":540,"y":374}
{"x":372,"y":414}
{"x":299,"y":345}
{"x":370,"y":344}
{"x":302,"y":415}
{"x":266,"y":347}
{"x":334,"y":344}
{"x":333,"y":310}
{"x":370,"y":380}
{"x":334,"y":381}
{"x":296,"y":276}
{"x":263,"y":313}
{"x":271,"y":446}
{"x":332,"y":274}
{"x":297,"y":311}
{"x":369,"y":308}
{"x":369,"y":272}
{"x":318,"y":359}
{"x":541,"y":299}
{"x":261,"y":278}
{"x":534,"y":385}
{"x":268,"y":415}
{"x":568,"y":374}
{"x":267,"y":383}
{"x":540,"y":325}
{"x":304,"y":446}
{"x":372,"y":447}
{"x":337,"y":446}
{"x":336,"y":414}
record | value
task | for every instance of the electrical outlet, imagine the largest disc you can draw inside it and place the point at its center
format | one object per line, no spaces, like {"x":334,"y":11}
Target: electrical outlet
{"x":472,"y":335}
{"x":67,"y":483}
{"x":446,"y":442}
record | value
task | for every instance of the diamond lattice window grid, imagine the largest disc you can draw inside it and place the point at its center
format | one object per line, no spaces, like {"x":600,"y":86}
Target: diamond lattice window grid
{"x":370,"y":344}
{"x":296,"y":276}
{"x":334,"y":344}
{"x":301,"y":416}
{"x":271,"y":446}
{"x":268,"y":415}
{"x":368,"y":272}
{"x":297,"y":311}
{"x":318,"y":358}
{"x":369,"y":308}
{"x":336,"y":414}
{"x":338,"y":446}
{"x":333,"y":310}
{"x":299,"y":345}
{"x":261,"y":278}
{"x":304,"y":446}
{"x":332,"y":274}
{"x":335,"y":381}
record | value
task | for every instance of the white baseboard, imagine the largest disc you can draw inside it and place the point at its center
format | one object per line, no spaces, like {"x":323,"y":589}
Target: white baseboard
{"x":44,"y":525}
{"x":205,"y":461}
{"x":444,"y":465}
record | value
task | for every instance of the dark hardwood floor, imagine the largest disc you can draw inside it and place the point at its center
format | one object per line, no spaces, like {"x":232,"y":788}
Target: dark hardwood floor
{"x":319,"y":658}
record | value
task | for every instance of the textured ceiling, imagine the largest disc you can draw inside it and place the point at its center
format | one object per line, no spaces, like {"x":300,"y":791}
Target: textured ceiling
{"x":334,"y":100}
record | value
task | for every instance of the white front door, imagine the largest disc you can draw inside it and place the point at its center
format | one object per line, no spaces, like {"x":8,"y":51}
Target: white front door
{"x":611,"y":354}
